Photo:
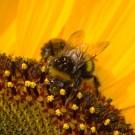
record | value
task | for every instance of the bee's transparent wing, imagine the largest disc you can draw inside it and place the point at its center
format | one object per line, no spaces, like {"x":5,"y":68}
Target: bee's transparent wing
{"x":81,"y":52}
{"x":88,"y":52}
{"x":96,"y":48}
{"x":76,"y":38}
{"x":74,"y":41}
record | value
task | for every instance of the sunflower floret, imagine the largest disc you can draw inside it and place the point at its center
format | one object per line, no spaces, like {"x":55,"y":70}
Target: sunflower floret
{"x":28,"y":106}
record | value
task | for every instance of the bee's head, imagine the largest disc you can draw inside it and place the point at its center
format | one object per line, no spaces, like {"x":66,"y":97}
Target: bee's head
{"x":52,"y":48}
{"x":64,"y":64}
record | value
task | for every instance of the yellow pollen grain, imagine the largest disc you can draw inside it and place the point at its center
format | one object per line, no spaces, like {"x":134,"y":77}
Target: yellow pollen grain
{"x":10,"y":84}
{"x":92,"y":110}
{"x":24,"y":66}
{"x":2,"y":91}
{"x":7,"y":73}
{"x":79,"y":95}
{"x":66,"y":126}
{"x":107,"y":122}
{"x":47,"y":81}
{"x":71,"y":85}
{"x":82,"y":126}
{"x":25,"y":59}
{"x":62,"y":92}
{"x":75,"y":107}
{"x":93,"y":129}
{"x":17,"y":97}
{"x":40,"y":99}
{"x":58,"y":112}
{"x":32,"y":84}
{"x":50,"y":98}
{"x":27,"y":83}
{"x":116,"y":132}
{"x":28,"y":98}
{"x":43,"y":68}
{"x":13,"y":58}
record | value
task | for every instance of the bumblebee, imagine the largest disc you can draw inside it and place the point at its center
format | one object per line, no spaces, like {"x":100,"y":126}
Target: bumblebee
{"x":52,"y":48}
{"x":71,"y":61}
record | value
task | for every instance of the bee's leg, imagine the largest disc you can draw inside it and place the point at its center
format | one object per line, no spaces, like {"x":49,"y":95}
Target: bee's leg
{"x":77,"y":80}
{"x":96,"y":83}
{"x":87,"y":75}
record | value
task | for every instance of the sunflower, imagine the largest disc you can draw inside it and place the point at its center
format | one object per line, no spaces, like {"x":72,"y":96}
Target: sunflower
{"x":26,"y":25}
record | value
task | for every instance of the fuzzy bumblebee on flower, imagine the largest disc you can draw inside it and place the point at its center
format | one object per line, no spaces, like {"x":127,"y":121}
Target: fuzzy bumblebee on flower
{"x":57,"y":95}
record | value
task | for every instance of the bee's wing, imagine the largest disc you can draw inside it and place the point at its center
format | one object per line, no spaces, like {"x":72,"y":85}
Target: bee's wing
{"x":76,"y":38}
{"x":89,"y":52}
{"x":96,"y":48}
{"x":81,"y":52}
{"x":74,"y":41}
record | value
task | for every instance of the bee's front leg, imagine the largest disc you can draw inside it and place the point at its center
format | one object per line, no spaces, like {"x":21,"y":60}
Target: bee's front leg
{"x":77,"y":80}
{"x":96,"y":83}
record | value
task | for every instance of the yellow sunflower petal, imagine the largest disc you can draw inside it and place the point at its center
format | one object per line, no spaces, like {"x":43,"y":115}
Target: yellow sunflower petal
{"x":8,"y":12}
{"x":129,"y":115}
{"x":26,"y":25}
{"x":39,"y":20}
